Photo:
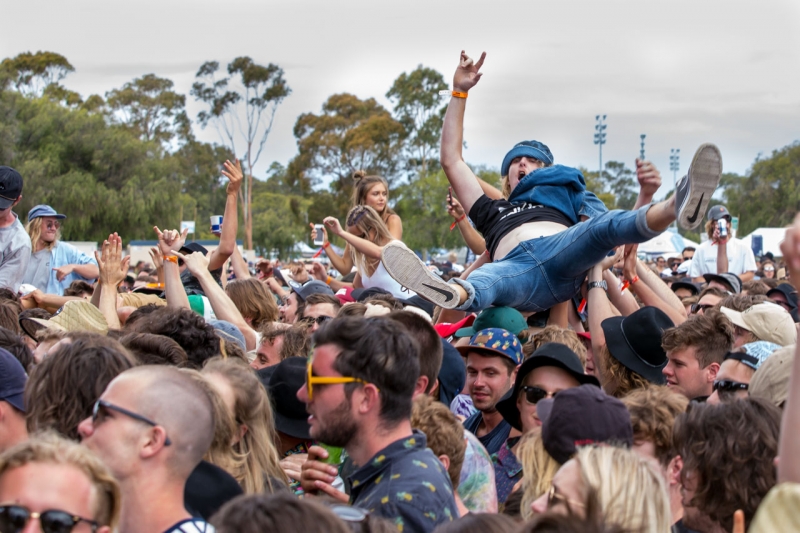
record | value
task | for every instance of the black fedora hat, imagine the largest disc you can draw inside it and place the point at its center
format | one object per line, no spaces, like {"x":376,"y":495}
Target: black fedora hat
{"x":550,"y":354}
{"x":635,"y":341}
{"x":285,"y":379}
{"x":685,"y":284}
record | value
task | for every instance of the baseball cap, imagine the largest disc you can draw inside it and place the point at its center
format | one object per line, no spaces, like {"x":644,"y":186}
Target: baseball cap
{"x":447,"y":329}
{"x":10,"y":186}
{"x":191,"y":247}
{"x":581,"y":416}
{"x":534,"y":149}
{"x":754,"y":353}
{"x":506,"y":318}
{"x":767,"y":321}
{"x":229,"y":332}
{"x":12,"y":380}
{"x":310,"y":287}
{"x":44,"y":211}
{"x":771,"y":380}
{"x":496,"y":341}
{"x":717,"y":212}
{"x":549,"y":354}
{"x":728,"y":278}
{"x":788,"y":292}
{"x":283,"y":382}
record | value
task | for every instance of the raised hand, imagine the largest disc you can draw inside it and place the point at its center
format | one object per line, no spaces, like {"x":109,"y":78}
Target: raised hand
{"x":319,"y":272}
{"x":233,"y":171}
{"x":454,"y":208}
{"x":314,"y":233}
{"x":629,"y":268}
{"x":333,"y":224}
{"x":468,"y":72}
{"x":648,"y":176}
{"x":790,"y":247}
{"x":196,"y":262}
{"x":299,"y":273}
{"x":170,"y":240}
{"x":158,"y":261}
{"x":611,"y":260}
{"x":113,"y":267}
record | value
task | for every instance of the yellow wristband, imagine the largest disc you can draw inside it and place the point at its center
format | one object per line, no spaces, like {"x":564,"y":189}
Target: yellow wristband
{"x":171,"y":258}
{"x":459,"y":94}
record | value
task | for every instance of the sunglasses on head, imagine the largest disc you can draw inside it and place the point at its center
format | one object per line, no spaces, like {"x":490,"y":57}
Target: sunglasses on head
{"x":726,"y":387}
{"x":14,"y":518}
{"x":534,"y":394}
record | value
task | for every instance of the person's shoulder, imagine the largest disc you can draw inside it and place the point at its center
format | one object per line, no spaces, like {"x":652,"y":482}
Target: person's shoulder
{"x":191,"y":525}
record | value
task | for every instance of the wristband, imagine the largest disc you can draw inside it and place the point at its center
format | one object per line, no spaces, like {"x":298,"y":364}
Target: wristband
{"x":459,"y":94}
{"x":635,"y":279}
{"x":455,"y":223}
{"x":328,"y":281}
{"x":171,"y":258}
{"x":326,"y":244}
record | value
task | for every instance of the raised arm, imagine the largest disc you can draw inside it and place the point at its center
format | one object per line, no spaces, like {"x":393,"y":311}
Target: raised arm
{"x":239,"y":265}
{"x":230,"y":219}
{"x":168,"y":240}
{"x":344,"y":264}
{"x":112,"y":271}
{"x":457,"y":171}
{"x":598,"y":304}
{"x":643,"y":286}
{"x":649,"y":179}
{"x":364,"y":246}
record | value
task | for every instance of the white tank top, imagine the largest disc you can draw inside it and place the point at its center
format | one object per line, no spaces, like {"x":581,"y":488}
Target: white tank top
{"x":381,"y":279}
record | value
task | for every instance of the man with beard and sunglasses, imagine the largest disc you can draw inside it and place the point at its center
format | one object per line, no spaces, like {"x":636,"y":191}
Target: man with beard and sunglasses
{"x":358,"y":393}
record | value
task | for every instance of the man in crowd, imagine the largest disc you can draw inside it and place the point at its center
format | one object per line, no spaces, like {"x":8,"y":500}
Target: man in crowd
{"x":722,"y":254}
{"x":292,"y":304}
{"x":12,"y":405}
{"x":60,"y":483}
{"x":268,"y":352}
{"x":151,"y":427}
{"x":319,"y":307}
{"x":358,"y":392}
{"x":15,"y":245}
{"x":695,"y":350}
{"x":493,"y":358}
{"x":54,"y":265}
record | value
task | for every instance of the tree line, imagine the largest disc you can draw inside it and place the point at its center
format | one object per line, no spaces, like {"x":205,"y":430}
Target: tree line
{"x":129,"y":159}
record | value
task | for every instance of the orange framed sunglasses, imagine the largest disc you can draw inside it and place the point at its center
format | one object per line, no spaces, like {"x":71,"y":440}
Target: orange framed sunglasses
{"x":312,"y":380}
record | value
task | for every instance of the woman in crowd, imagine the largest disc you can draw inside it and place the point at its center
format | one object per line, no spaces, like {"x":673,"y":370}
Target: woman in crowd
{"x":366,"y":236}
{"x":254,"y":301}
{"x":255,"y":437}
{"x":371,"y":191}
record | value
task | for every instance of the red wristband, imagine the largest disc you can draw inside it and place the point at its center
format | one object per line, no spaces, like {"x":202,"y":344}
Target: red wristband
{"x":326,"y":244}
{"x":455,"y":223}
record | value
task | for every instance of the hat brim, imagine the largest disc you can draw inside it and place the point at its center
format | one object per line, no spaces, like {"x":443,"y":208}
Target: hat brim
{"x":735,"y":317}
{"x":5,"y":203}
{"x":293,"y":427}
{"x":622,"y":352}
{"x":685,"y":285}
{"x":469,"y":331}
{"x":509,"y":408}
{"x":17,"y":400}
{"x":48,"y":324}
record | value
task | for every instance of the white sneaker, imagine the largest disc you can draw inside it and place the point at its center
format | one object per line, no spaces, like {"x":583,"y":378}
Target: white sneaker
{"x":693,"y":192}
{"x":409,"y":271}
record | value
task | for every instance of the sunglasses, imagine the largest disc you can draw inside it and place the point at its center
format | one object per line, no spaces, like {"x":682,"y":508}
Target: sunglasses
{"x":312,"y":380}
{"x":14,"y":518}
{"x":53,"y":225}
{"x":554,"y":498}
{"x":310,"y":320}
{"x":725,"y":387}
{"x":534,"y":394}
{"x":100,"y":412}
{"x":696,"y":308}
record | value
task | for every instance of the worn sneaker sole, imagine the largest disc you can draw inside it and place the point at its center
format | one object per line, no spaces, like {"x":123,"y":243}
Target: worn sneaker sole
{"x":409,"y":271}
{"x":704,"y":175}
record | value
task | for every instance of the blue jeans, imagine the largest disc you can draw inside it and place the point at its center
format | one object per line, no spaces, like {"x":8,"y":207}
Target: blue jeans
{"x":542,"y":272}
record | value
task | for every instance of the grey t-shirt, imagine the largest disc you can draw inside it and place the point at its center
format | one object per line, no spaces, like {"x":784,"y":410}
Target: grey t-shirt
{"x":15,"y":252}
{"x":38,"y":271}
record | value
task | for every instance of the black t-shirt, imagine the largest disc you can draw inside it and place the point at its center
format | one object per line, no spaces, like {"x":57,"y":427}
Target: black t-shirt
{"x":494,"y":219}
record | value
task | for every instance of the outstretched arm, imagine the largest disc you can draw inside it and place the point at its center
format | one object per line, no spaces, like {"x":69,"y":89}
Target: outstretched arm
{"x":364,"y":246}
{"x":598,"y":303}
{"x":343,"y":263}
{"x":230,"y":219}
{"x":643,"y":284}
{"x":458,"y":173}
{"x":649,"y":179}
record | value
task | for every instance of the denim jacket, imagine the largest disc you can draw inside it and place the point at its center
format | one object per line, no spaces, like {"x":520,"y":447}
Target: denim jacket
{"x":561,"y":188}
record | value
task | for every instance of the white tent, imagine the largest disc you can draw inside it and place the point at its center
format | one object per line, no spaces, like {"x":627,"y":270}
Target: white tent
{"x":771,"y":240}
{"x":667,"y":244}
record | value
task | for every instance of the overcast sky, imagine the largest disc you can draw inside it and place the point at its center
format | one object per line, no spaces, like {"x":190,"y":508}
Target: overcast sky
{"x":682,"y":72}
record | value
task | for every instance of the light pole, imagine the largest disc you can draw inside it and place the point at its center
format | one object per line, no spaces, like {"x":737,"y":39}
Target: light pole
{"x":641,"y":150}
{"x":674,"y":165}
{"x":600,"y":138}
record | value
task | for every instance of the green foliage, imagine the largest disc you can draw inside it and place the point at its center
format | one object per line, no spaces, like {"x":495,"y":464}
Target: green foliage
{"x":32,"y":73}
{"x":769,"y":195}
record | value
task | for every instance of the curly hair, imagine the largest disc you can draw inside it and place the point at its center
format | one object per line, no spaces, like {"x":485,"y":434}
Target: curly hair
{"x":78,"y":287}
{"x":444,"y":433}
{"x":567,"y":337}
{"x":296,"y":342}
{"x":140,"y":313}
{"x":755,"y":287}
{"x":653,"y":412}
{"x":150,"y":349}
{"x":617,"y":379}
{"x":711,"y":334}
{"x":252,"y":298}
{"x":63,"y":388}
{"x":187,"y":328}
{"x":730,"y":448}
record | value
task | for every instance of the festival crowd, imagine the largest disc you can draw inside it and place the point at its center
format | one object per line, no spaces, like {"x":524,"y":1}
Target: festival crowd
{"x":558,"y":383}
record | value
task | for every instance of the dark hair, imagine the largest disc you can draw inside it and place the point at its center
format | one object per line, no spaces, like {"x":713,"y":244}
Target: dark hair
{"x":740,"y":302}
{"x":755,"y":287}
{"x":140,"y":313}
{"x":352,"y":309}
{"x":28,"y":327}
{"x":78,"y":287}
{"x":150,"y":349}
{"x":379,"y":351}
{"x":710,"y":333}
{"x":431,"y":351}
{"x":9,"y":315}
{"x":319,"y":298}
{"x":14,"y":344}
{"x":730,"y":448}
{"x":479,"y":523}
{"x":7,"y":294}
{"x":185,"y":327}
{"x":296,"y":342}
{"x":63,"y":388}
{"x":280,"y":512}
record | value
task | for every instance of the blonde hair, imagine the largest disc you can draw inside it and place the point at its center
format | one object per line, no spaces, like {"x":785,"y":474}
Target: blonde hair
{"x":366,"y":219}
{"x":505,"y":186}
{"x":617,"y":379}
{"x":567,"y":337}
{"x":538,"y":469}
{"x":49,"y":447}
{"x":34,"y":229}
{"x":632,"y":494}
{"x":252,"y":298}
{"x":253,"y":410}
{"x":362,"y":184}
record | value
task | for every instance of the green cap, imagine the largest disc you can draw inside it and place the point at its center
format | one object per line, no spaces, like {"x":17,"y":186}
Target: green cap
{"x":506,"y":318}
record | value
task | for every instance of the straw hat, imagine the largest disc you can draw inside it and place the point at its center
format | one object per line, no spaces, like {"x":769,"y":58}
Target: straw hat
{"x":76,"y":315}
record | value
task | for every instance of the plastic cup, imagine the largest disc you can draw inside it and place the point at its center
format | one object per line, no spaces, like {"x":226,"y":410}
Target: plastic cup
{"x":334,"y":454}
{"x":216,"y":223}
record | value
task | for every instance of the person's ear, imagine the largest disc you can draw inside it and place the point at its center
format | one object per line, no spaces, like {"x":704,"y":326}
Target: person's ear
{"x":421,"y":386}
{"x":434,"y":393}
{"x":156,"y":440}
{"x":445,"y":461}
{"x":370,"y":399}
{"x":674,"y":471}
{"x":712,"y":371}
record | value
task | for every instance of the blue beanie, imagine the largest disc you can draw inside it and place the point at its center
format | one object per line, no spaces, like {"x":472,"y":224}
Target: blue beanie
{"x":533,"y":149}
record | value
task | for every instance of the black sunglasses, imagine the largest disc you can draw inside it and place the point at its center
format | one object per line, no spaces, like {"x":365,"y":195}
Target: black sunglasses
{"x":534,"y":394}
{"x":14,"y":518}
{"x":725,"y":387}
{"x":697,"y":307}
{"x":98,"y":415}
{"x":319,"y":320}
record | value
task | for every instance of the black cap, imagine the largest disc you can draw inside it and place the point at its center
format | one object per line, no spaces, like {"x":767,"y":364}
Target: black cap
{"x":452,"y":374}
{"x":728,"y":278}
{"x":310,"y":287}
{"x":10,"y":186}
{"x":360,"y":295}
{"x":685,"y":284}
{"x":12,"y":380}
{"x":285,"y":379}
{"x":635,"y":341}
{"x":550,"y":354}
{"x":581,"y":416}
{"x":191,"y":247}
